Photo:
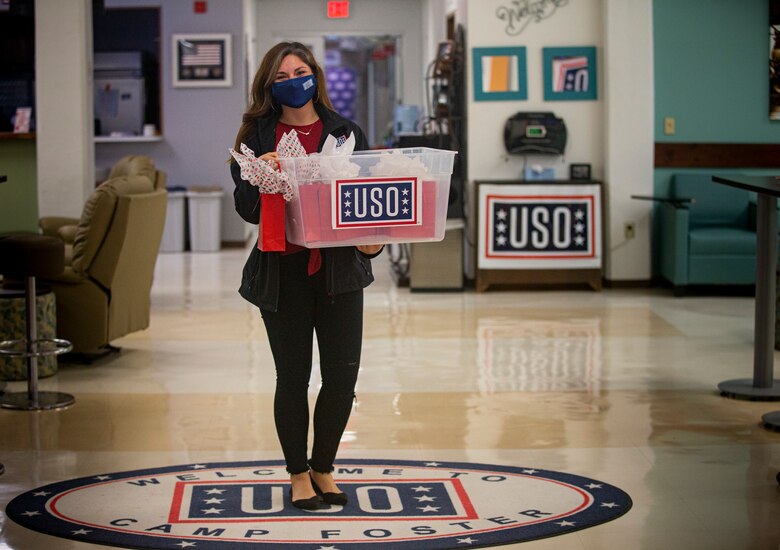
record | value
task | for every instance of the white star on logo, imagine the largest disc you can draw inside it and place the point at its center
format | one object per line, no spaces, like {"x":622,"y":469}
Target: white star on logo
{"x":347,"y":194}
{"x":428,"y":508}
{"x":593,"y":486}
{"x":579,"y":214}
{"x":501,"y":227}
{"x":421,"y":489}
{"x":531,"y":471}
{"x":468,"y":540}
{"x":565,"y":524}
{"x":501,"y":214}
{"x":81,"y":532}
{"x":215,"y":491}
{"x":433,"y":464}
{"x":41,"y":494}
{"x":347,"y":214}
{"x":185,"y":544}
{"x":405,"y":192}
{"x":425,"y":498}
{"x":579,"y":241}
{"x":405,"y":201}
{"x":31,"y":513}
{"x":102,"y":478}
{"x":405,"y":210}
{"x":198,"y":466}
{"x":212,"y":510}
{"x":579,"y":227}
{"x":347,"y":204}
{"x":327,"y":548}
{"x":500,"y":240}
{"x":214,"y":501}
{"x":609,"y":505}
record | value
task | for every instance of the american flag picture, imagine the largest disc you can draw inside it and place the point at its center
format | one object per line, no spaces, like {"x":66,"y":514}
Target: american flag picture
{"x":202,"y":60}
{"x":201,"y":54}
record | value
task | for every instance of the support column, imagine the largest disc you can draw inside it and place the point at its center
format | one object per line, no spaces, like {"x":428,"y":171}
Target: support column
{"x":64,"y":106}
{"x":629,"y":136}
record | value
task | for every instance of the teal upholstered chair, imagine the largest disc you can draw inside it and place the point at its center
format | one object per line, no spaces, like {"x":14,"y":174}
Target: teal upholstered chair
{"x":711,"y":240}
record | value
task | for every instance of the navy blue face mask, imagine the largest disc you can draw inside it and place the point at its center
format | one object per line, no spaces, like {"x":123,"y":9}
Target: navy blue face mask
{"x":295,"y":92}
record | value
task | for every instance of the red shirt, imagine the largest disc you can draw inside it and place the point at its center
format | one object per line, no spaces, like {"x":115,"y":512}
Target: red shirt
{"x":309,"y":136}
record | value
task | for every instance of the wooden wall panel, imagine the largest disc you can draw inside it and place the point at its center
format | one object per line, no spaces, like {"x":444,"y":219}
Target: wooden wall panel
{"x":717,"y":155}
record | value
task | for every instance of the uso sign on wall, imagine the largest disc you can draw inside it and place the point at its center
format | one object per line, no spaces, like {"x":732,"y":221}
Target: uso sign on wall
{"x":539,"y":226}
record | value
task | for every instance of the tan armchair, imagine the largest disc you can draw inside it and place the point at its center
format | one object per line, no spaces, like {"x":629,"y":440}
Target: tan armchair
{"x":104,"y":292}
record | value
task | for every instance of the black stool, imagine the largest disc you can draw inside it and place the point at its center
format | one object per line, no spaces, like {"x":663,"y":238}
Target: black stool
{"x":28,"y":257}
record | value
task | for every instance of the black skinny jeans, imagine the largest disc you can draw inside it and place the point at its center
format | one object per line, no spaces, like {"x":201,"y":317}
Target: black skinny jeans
{"x":305,"y":307}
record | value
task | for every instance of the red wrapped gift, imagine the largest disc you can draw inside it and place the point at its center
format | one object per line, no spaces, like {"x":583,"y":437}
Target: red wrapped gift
{"x":428,"y":227}
{"x":326,"y":217}
{"x":308,"y":195}
{"x":271,"y":233}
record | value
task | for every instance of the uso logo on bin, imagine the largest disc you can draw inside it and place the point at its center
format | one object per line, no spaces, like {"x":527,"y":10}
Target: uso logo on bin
{"x":376,"y":202}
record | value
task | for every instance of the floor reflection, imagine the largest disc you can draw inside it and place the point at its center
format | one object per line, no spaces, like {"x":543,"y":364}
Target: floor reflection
{"x":539,"y":355}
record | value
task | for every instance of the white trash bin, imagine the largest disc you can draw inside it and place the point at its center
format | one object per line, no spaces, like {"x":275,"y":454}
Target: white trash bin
{"x":205,"y":206}
{"x":174,"y":232}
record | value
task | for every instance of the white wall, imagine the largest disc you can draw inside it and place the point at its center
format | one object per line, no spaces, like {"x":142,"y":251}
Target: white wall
{"x":63,"y":97}
{"x":614,"y":134}
{"x":249,"y":45}
{"x":574,"y":24}
{"x":629,"y":136}
{"x":434,"y":31}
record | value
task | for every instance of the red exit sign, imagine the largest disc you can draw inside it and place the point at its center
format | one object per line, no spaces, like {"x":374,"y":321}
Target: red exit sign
{"x":338,"y":10}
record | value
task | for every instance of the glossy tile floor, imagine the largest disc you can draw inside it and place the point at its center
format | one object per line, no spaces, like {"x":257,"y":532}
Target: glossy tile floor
{"x":618,"y":385}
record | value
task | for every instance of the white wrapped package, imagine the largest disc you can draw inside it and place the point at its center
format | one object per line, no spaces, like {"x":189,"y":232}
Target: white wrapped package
{"x":395,"y":163}
{"x":334,"y":159}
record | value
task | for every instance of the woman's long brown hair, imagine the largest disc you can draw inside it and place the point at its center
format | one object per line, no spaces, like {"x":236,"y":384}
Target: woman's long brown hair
{"x":261,"y":100}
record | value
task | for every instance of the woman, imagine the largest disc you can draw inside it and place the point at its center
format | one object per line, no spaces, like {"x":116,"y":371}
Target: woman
{"x":300,"y":291}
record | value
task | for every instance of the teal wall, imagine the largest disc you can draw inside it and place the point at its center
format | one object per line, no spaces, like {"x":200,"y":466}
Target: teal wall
{"x":711,"y":62}
{"x":711,"y":71}
{"x":19,"y":195}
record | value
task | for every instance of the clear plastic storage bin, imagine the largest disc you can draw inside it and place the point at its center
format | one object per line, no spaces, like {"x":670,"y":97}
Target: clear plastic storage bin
{"x":388,"y":200}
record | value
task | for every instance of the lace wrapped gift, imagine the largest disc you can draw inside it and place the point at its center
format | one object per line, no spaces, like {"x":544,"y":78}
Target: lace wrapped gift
{"x":274,"y":187}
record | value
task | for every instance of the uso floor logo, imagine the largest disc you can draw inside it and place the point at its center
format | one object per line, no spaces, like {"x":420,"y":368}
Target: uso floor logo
{"x":392,"y":504}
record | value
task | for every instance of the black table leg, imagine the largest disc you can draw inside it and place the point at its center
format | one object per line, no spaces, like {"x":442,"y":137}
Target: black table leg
{"x":762,"y":386}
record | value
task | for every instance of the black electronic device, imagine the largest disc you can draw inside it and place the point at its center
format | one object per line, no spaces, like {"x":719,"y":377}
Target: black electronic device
{"x":535,"y":134}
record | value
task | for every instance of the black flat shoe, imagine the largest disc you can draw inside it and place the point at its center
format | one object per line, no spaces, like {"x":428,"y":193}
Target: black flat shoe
{"x":330,"y":498}
{"x":311,"y":503}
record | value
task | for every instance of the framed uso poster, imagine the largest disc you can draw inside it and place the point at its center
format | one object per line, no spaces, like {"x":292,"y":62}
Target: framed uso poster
{"x":539,"y":226}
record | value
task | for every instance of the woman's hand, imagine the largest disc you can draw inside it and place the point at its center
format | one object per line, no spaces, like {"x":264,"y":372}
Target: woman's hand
{"x":370,"y":249}
{"x":273,"y":156}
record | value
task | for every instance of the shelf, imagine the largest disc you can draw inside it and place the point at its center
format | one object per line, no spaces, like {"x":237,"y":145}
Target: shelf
{"x":8,"y":136}
{"x":128,"y":139}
